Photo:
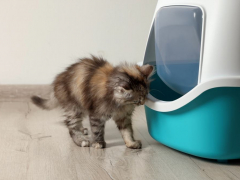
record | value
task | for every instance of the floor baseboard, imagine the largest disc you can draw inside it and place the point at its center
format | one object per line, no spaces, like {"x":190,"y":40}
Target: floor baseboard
{"x":23,"y":93}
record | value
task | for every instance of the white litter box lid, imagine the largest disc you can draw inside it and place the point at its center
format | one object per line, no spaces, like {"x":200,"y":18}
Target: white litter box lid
{"x":219,"y":55}
{"x":167,"y":106}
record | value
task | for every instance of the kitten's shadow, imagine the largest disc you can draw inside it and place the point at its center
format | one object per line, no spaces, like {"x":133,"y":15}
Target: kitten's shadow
{"x":116,"y":143}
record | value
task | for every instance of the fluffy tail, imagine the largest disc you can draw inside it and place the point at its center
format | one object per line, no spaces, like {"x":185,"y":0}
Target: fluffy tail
{"x":47,"y":104}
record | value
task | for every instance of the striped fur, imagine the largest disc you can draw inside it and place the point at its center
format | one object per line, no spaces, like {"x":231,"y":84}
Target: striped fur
{"x":93,"y":87}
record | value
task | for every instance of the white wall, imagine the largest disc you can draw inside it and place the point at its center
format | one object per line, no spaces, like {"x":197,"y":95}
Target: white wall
{"x":39,"y":38}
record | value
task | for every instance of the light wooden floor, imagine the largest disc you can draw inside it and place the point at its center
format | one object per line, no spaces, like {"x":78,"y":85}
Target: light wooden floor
{"x":35,"y":144}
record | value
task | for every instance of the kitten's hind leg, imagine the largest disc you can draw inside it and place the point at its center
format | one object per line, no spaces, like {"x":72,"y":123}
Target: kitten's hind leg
{"x":76,"y":130}
{"x":97,"y":127}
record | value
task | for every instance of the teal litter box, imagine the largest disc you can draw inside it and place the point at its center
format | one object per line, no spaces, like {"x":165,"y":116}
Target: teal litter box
{"x":194,"y":100}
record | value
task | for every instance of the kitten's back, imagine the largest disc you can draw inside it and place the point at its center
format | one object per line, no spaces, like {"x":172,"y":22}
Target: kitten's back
{"x":90,"y":80}
{"x":83,"y":83}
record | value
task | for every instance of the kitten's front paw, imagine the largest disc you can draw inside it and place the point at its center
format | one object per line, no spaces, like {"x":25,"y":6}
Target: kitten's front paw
{"x":99,"y":145}
{"x":134,"y":145}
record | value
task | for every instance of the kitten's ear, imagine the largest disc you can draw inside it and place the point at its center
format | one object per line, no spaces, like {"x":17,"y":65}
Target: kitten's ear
{"x":146,"y":70}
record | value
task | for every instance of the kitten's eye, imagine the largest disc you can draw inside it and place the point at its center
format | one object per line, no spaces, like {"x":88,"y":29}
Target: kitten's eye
{"x":129,"y":95}
{"x":125,"y":86}
{"x":140,"y":88}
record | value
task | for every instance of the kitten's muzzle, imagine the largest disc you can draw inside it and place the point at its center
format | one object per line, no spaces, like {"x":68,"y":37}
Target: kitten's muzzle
{"x":141,"y":101}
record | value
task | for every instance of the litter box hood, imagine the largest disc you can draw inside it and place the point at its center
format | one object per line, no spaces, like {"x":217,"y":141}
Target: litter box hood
{"x":194,"y":46}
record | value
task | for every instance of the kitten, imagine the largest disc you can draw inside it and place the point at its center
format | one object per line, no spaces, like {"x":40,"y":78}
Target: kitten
{"x":93,"y":87}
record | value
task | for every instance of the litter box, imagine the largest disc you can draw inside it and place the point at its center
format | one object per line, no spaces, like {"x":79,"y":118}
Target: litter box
{"x":194,"y":101}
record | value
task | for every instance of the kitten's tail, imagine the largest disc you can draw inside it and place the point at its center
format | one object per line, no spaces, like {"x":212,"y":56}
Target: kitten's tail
{"x":47,"y":104}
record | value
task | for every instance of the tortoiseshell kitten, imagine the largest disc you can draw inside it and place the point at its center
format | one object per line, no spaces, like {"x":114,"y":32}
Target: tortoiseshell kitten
{"x":93,"y":87}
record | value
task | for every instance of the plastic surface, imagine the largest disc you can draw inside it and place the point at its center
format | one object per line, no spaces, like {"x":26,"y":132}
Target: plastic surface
{"x":162,"y":98}
{"x":178,"y":32}
{"x":220,"y":44}
{"x":162,"y":93}
{"x":160,"y":90}
{"x":205,"y":121}
{"x":208,"y":126}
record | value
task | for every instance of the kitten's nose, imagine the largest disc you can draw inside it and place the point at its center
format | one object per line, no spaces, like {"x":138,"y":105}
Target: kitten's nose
{"x":141,"y":101}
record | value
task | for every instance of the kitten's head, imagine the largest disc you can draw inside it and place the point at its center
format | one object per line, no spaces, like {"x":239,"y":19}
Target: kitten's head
{"x":130,"y":83}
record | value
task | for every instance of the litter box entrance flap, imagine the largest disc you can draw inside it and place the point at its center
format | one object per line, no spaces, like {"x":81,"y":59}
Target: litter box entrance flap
{"x":174,"y":47}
